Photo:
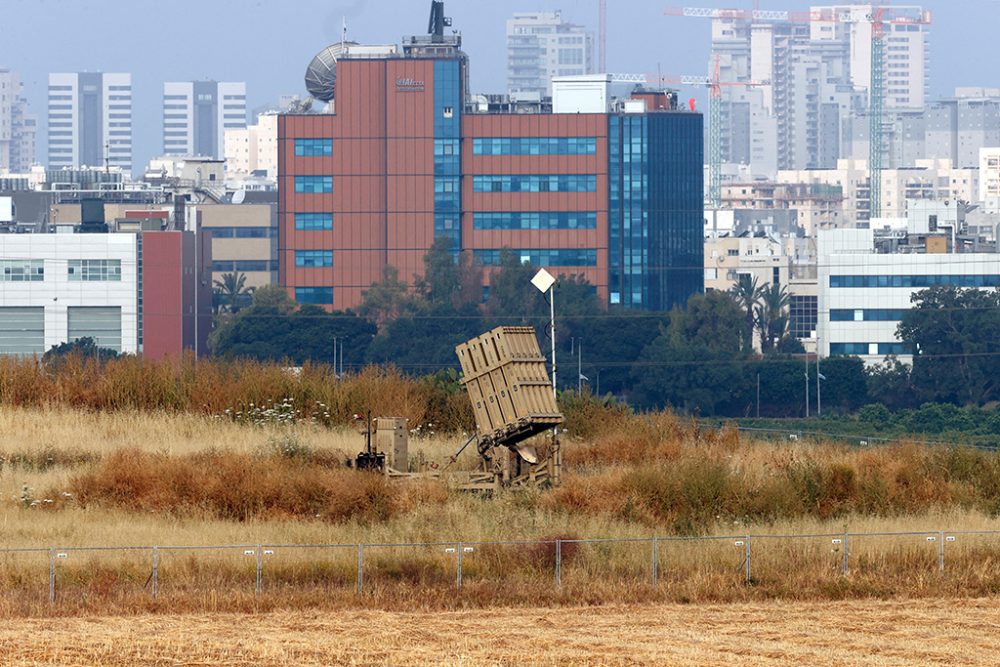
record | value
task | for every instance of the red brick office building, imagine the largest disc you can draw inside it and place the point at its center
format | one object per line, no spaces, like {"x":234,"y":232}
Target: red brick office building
{"x":407,"y":156}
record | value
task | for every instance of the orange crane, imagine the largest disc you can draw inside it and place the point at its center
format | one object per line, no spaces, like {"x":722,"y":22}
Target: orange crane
{"x":879,"y":17}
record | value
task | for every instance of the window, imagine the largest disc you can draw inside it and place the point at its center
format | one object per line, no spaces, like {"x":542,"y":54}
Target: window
{"x":313,"y":258}
{"x":312,"y":147}
{"x":535,"y":183}
{"x":535,"y":146}
{"x":242,"y":232}
{"x":22,"y":271}
{"x":733,"y":252}
{"x":536,"y":220}
{"x":320,"y":296}
{"x":919,"y":281}
{"x":95,"y":270}
{"x":870,"y":315}
{"x":308,"y":222}
{"x":844,"y":349}
{"x":314,"y":184}
{"x":540,"y":257}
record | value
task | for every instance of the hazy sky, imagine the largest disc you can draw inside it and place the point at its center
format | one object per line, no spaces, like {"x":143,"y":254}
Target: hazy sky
{"x":268,"y":43}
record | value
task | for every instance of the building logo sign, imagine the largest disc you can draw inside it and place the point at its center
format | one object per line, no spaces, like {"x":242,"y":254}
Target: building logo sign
{"x":409,"y":86}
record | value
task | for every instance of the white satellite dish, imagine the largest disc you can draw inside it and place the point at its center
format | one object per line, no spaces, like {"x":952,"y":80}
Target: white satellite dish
{"x":239,"y":196}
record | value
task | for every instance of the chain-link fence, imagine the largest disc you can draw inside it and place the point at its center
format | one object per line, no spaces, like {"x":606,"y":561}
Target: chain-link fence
{"x":731,"y":560}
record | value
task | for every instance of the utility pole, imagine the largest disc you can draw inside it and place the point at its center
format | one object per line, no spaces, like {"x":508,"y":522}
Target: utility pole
{"x":579,"y":367}
{"x":807,"y":385}
{"x":819,"y":377}
{"x":758,"y":395}
{"x":335,"y":356}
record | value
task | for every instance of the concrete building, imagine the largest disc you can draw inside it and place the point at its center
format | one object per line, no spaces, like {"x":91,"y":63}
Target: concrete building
{"x":254,"y":149}
{"x":244,"y":240}
{"x":90,"y":120}
{"x":866,"y":277}
{"x":954,"y":129}
{"x":989,"y":179}
{"x":615,"y":196}
{"x":541,"y":45}
{"x":813,"y":76}
{"x":197,"y":114}
{"x":18,"y":127}
{"x":135,"y":293}
{"x":929,"y":179}
{"x":813,"y":205}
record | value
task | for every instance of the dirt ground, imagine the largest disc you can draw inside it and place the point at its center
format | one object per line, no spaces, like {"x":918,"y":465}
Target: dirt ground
{"x":908,"y":632}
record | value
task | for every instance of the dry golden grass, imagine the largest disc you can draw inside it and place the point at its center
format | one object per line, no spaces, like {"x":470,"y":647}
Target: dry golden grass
{"x":772,"y":634}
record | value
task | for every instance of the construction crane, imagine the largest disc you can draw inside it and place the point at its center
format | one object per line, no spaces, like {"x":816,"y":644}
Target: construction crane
{"x":879,"y":17}
{"x":715,"y":85}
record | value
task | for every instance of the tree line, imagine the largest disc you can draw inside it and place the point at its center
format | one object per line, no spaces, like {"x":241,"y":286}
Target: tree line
{"x":723,"y":354}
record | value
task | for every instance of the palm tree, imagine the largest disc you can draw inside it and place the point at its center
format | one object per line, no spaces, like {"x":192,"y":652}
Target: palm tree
{"x":232,"y":291}
{"x":748,"y":294}
{"x":772,"y":315}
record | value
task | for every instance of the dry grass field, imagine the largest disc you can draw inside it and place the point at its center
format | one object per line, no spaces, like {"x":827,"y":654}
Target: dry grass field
{"x":863,"y":632}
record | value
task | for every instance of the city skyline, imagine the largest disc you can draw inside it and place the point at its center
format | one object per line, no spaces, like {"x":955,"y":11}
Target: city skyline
{"x":272,"y":60}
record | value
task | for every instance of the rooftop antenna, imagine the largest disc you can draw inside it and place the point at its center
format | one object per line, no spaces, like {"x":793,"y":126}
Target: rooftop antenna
{"x":107,"y":157}
{"x":438,"y":21}
{"x":343,"y":32}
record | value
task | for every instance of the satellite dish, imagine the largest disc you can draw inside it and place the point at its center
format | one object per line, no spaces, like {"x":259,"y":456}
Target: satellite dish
{"x":239,"y":196}
{"x":321,"y":75}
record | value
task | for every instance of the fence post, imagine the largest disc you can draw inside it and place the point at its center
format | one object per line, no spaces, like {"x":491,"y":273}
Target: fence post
{"x":52,"y":575}
{"x":259,"y":583}
{"x":747,"y":547}
{"x":156,"y":572}
{"x":558,"y":563}
{"x":847,"y":554}
{"x":458,"y":571}
{"x":655,"y":569}
{"x":941,"y":552}
{"x":361,"y":567}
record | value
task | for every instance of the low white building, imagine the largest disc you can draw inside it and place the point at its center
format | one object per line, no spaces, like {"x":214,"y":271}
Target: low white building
{"x":863,"y":294}
{"x":60,"y":287}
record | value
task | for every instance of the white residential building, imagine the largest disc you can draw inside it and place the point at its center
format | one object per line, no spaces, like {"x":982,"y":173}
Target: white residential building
{"x":18,"y":127}
{"x":989,"y":179}
{"x":254,"y":148}
{"x":541,"y":45}
{"x":60,"y":287}
{"x":197,"y":114}
{"x":90,"y":120}
{"x":928,"y":179}
{"x":810,"y":77}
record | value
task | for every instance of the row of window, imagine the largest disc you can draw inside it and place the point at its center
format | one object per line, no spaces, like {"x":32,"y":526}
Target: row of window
{"x":313,"y":258}
{"x":540,"y":257}
{"x":535,"y":220}
{"x":535,"y":146}
{"x":535,"y":183}
{"x":869,"y":315}
{"x":242,"y":265}
{"x":310,"y":222}
{"x":844,"y":349}
{"x":313,"y":184}
{"x":318,"y":296}
{"x":962,"y":280}
{"x":20,"y":270}
{"x":243,"y":232}
{"x":313,"y":147}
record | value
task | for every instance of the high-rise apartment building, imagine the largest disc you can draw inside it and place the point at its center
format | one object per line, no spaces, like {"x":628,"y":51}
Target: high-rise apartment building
{"x":17,"y":125}
{"x":611,"y":191}
{"x":541,"y":45}
{"x":811,"y":77}
{"x":90,"y":120}
{"x":254,"y":149}
{"x":196,"y":115}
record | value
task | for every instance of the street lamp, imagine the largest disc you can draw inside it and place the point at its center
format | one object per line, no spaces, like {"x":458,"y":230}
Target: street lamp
{"x":544,"y":282}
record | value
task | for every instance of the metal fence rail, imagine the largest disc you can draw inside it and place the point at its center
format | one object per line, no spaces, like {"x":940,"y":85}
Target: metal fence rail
{"x":743,"y":551}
